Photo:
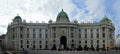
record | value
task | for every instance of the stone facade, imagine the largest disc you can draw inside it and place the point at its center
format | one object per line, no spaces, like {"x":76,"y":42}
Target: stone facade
{"x":61,"y":34}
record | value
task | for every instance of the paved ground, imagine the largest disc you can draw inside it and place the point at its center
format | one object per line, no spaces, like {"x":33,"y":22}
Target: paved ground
{"x":72,"y":52}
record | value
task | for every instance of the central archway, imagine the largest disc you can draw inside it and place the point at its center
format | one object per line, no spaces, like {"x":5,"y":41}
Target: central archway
{"x":63,"y":41}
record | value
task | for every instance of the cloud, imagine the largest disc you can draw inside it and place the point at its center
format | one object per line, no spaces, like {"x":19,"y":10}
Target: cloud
{"x":88,"y":10}
{"x":43,"y":10}
{"x":32,"y":10}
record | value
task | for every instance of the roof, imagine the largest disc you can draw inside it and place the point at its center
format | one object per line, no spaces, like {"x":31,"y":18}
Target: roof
{"x":17,"y":17}
{"x":2,"y":36}
{"x":105,"y":19}
{"x":62,"y":16}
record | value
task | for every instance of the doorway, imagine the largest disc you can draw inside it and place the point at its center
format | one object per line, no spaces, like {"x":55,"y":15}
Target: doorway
{"x":63,"y":42}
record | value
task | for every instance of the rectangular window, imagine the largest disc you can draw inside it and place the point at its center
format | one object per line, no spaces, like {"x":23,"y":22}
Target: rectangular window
{"x":46,"y":46}
{"x":27,"y":46}
{"x":33,"y":29}
{"x":79,"y":42}
{"x":46,"y":30}
{"x":21,"y":46}
{"x":85,"y":30}
{"x":46,"y":36}
{"x":71,"y":35}
{"x":91,"y":35}
{"x":54,"y":29}
{"x":54,"y":35}
{"x":33,"y":42}
{"x":103,"y":41}
{"x":21,"y":36}
{"x":34,"y":35}
{"x":103,"y":28}
{"x":21,"y":41}
{"x":97,"y":41}
{"x":110,"y":36}
{"x":40,"y":46}
{"x":98,"y":46}
{"x":72,"y":29}
{"x":27,"y":42}
{"x":33,"y":46}
{"x":79,"y":35}
{"x":97,"y":35}
{"x":86,"y":42}
{"x":91,"y":30}
{"x":21,"y":28}
{"x":40,"y":42}
{"x":53,"y":40}
{"x":13,"y":36}
{"x":27,"y":35}
{"x":91,"y":41}
{"x":40,"y":35}
{"x":103,"y":35}
{"x":27,"y":29}
{"x":97,"y":30}
{"x":72,"y":40}
{"x":40,"y":30}
{"x":13,"y":29}
{"x":110,"y":30}
{"x":85,"y":35}
{"x":46,"y":42}
{"x":103,"y":45}
{"x":79,"y":30}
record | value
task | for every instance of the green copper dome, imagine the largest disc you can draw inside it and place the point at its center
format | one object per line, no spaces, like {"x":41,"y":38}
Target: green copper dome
{"x":62,"y":16}
{"x":17,"y":19}
{"x":105,"y":19}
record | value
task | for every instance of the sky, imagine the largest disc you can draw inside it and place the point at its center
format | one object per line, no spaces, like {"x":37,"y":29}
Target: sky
{"x":44,"y":10}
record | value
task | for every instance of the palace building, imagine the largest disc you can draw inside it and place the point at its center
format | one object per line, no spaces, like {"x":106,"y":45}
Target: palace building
{"x":61,"y":34}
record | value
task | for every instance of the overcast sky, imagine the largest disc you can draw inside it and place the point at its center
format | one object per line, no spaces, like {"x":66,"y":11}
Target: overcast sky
{"x":43,"y":10}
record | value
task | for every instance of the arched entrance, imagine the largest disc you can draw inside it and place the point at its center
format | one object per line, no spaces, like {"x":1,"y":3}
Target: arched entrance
{"x":63,"y":42}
